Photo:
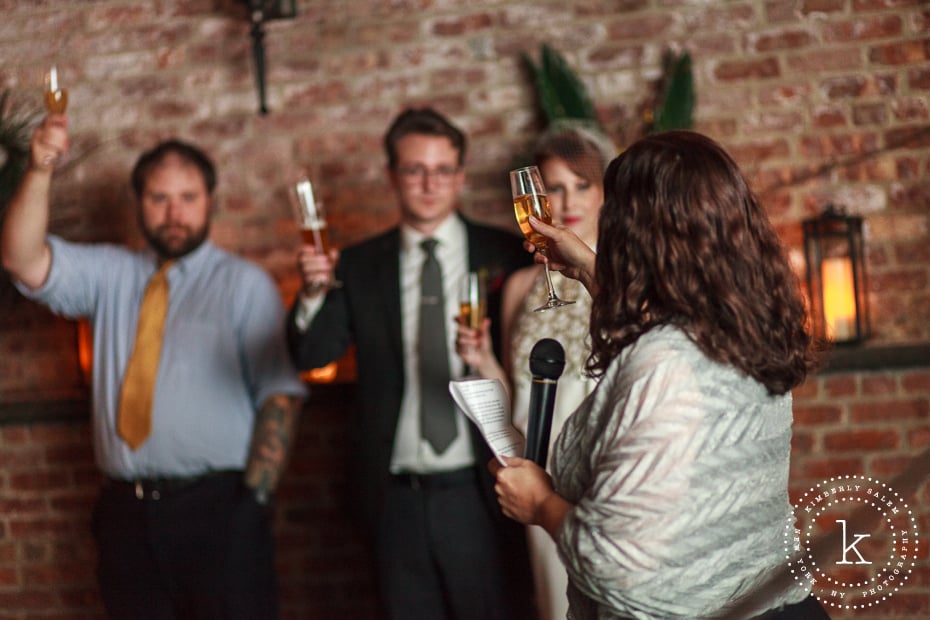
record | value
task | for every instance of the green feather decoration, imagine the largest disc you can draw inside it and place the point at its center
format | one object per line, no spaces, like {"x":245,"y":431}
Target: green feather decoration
{"x":675,"y":104}
{"x":562,"y":95}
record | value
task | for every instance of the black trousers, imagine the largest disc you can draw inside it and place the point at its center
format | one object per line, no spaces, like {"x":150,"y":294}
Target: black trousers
{"x":178,"y":549}
{"x":440,"y":553}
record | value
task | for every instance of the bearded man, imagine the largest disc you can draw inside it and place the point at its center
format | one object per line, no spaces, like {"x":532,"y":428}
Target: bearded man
{"x":194,"y":398}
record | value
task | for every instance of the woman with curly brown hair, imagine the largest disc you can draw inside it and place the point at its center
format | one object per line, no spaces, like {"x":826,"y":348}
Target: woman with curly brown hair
{"x":669,"y":492}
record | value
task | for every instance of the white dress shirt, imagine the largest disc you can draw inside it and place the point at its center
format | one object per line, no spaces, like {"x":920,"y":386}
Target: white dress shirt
{"x":411,"y":452}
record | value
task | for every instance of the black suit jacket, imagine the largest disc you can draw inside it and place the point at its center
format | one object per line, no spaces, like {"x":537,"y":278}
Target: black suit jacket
{"x":366,"y":311}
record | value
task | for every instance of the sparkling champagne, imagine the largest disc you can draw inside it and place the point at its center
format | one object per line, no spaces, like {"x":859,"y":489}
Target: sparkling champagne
{"x":536,"y":205}
{"x":56,"y":101}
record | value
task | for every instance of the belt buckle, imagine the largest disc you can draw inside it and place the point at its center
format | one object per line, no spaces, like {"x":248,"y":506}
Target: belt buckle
{"x":139,"y":487}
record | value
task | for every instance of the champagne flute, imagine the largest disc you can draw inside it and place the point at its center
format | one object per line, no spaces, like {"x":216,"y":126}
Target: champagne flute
{"x":312,"y":221}
{"x":56,"y":98}
{"x":529,"y":199}
{"x":473,"y":302}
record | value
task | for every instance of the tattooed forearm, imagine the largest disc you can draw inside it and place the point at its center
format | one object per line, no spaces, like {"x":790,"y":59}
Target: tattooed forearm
{"x":275,"y":426}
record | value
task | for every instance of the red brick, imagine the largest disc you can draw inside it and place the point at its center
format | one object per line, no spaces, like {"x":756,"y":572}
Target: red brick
{"x":837,"y":386}
{"x":788,"y":39}
{"x":918,"y":78}
{"x":878,"y":384}
{"x":806,"y":391}
{"x":870,"y":114}
{"x":39,"y":480}
{"x":887,"y":467}
{"x":465,"y":24}
{"x":919,"y":437}
{"x":801,"y":442}
{"x":863,"y":6}
{"x":827,"y":117}
{"x":916,"y":381}
{"x":911,"y":137}
{"x":865,"y":28}
{"x":639,"y":27}
{"x":11,"y":505}
{"x":861,"y":440}
{"x":57,"y":574}
{"x":881,"y":169}
{"x":759,"y":150}
{"x":765,"y":68}
{"x":899,"y":280}
{"x":859,"y":86}
{"x":9,"y":577}
{"x":908,"y":110}
{"x":908,"y":52}
{"x":839,"y":144}
{"x":808,"y":415}
{"x":824,"y":468}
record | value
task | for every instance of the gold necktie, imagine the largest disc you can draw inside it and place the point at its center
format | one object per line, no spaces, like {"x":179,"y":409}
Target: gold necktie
{"x":134,"y":423}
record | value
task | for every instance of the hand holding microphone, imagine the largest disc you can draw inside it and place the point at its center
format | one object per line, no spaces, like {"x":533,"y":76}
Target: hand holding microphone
{"x":547,"y":360}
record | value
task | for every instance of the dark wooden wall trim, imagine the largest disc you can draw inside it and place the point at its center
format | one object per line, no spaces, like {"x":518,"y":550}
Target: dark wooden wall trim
{"x":888,"y":357}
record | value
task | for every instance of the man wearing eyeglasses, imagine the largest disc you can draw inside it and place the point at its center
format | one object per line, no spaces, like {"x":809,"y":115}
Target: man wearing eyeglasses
{"x":418,"y":478}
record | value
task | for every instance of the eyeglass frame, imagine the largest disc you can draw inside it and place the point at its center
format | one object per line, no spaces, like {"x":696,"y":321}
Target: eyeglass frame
{"x":413,"y":174}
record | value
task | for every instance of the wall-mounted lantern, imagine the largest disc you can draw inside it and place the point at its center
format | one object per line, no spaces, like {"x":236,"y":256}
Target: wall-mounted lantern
{"x":261,"y":11}
{"x":836,"y":279}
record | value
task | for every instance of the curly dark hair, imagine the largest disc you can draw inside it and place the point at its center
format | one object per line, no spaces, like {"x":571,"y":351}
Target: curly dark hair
{"x":684,"y":241}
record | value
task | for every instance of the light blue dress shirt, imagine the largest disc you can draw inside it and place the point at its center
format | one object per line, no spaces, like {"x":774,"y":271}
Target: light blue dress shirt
{"x":223,"y":352}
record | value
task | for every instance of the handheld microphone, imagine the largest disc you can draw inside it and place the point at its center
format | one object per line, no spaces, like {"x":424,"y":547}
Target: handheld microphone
{"x":547,"y":360}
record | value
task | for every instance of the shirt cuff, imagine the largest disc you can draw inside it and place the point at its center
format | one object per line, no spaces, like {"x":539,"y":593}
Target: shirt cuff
{"x":307,"y":308}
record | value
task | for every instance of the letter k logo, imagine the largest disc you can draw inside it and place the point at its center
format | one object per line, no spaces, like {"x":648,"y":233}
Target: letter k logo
{"x":852,"y":545}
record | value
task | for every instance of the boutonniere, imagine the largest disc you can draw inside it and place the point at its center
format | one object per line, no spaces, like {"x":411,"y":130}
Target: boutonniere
{"x":494,"y":276}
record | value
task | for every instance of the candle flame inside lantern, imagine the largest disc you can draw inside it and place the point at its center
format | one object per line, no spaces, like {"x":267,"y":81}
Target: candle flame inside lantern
{"x":839,"y":298}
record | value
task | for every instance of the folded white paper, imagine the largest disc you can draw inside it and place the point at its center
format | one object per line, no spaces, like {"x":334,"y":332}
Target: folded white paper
{"x":486,"y":403}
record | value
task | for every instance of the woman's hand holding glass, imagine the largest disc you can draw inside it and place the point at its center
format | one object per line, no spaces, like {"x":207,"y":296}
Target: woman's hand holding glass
{"x":530,"y":200}
{"x":565,"y":253}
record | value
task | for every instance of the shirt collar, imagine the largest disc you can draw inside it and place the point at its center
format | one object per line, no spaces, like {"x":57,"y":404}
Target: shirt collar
{"x":190,"y":261}
{"x":452,"y":228}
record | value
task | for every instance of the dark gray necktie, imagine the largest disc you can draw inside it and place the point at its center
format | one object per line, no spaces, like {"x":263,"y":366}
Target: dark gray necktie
{"x":437,"y":409}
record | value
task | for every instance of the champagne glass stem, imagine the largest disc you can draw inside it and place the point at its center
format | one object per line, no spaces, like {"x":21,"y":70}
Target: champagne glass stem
{"x":553,"y":300}
{"x":549,"y":287}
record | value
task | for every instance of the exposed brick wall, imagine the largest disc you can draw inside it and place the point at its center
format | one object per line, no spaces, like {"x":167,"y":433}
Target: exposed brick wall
{"x":48,"y":482}
{"x":819,"y":100}
{"x":869,"y":424}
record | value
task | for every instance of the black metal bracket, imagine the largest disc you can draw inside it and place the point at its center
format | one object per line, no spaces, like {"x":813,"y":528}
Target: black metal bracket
{"x":261,"y":11}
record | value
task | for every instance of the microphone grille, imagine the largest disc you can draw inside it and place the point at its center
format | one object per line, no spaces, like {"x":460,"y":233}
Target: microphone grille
{"x":547,"y":359}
